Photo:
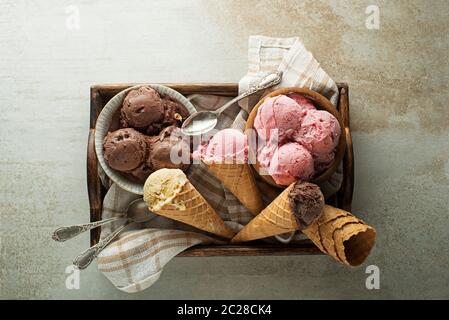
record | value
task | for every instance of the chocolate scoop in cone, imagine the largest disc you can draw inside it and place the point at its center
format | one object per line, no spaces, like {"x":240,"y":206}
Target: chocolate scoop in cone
{"x":301,"y":207}
{"x":278,"y":217}
{"x":306,"y":203}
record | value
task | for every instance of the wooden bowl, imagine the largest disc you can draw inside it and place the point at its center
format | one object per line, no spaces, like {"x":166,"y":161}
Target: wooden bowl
{"x":321,"y":103}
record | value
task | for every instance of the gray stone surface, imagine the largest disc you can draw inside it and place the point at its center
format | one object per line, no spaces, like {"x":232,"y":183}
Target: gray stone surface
{"x":400,"y":119}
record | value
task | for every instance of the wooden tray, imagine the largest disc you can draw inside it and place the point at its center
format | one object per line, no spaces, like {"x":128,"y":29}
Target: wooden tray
{"x":101,"y":94}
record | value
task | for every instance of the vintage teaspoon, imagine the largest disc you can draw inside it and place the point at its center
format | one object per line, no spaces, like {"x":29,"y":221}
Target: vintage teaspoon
{"x":204,"y":121}
{"x":137,"y":212}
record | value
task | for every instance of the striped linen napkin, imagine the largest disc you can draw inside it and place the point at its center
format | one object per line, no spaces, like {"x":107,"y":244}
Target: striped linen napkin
{"x":135,"y":261}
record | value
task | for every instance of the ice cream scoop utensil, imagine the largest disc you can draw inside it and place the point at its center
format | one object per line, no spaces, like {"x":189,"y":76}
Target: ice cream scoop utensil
{"x":137,"y":212}
{"x":204,"y":121}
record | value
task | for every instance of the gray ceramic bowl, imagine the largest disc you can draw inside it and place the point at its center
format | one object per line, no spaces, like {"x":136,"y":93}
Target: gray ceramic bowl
{"x":103,"y":123}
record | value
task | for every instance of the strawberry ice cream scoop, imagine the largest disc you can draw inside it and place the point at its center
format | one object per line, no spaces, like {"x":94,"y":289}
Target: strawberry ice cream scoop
{"x":265,"y":154}
{"x":302,"y":101}
{"x":320,"y":132}
{"x":226,"y":146}
{"x":291,"y":162}
{"x":281,"y":113}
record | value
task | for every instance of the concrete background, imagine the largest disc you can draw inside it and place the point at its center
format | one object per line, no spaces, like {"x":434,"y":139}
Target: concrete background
{"x":400,"y":120}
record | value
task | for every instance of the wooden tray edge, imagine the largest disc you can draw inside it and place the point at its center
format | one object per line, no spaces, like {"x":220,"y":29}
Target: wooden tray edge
{"x":255,"y":250}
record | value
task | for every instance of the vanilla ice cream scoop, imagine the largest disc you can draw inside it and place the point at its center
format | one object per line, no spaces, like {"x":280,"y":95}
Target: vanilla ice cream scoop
{"x":162,"y":186}
{"x":168,"y":193}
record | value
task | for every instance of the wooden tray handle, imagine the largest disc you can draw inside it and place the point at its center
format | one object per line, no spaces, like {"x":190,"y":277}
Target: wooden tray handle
{"x":345,"y":193}
{"x":93,"y":187}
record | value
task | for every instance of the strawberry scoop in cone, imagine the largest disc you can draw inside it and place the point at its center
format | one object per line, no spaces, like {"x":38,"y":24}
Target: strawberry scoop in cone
{"x":168,"y":193}
{"x":226,"y":156}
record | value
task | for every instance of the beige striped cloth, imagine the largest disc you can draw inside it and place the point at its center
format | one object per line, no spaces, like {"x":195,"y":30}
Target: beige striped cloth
{"x":135,"y":261}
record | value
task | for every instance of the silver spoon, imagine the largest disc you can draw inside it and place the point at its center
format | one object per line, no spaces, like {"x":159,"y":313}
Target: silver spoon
{"x":204,"y":121}
{"x":65,"y":233}
{"x":137,"y":212}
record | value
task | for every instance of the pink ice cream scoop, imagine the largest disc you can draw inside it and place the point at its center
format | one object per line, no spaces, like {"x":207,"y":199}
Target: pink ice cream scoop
{"x":302,"y":101}
{"x":226,"y":146}
{"x":298,"y":141}
{"x":291,"y":162}
{"x":320,"y":132}
{"x":265,"y":154}
{"x":279,"y":113}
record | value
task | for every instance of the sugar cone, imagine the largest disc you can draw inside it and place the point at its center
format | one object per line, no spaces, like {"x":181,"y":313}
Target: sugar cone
{"x":275,"y":219}
{"x":341,"y":235}
{"x":337,"y":232}
{"x":197,"y":213}
{"x":239,"y":179}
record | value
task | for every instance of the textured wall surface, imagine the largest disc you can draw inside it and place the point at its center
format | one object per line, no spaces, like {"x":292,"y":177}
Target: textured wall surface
{"x":400,"y":119}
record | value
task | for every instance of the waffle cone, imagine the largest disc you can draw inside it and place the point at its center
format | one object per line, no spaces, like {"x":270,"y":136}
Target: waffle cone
{"x":197,"y":213}
{"x":341,"y":235}
{"x":239,"y":179}
{"x":275,"y":219}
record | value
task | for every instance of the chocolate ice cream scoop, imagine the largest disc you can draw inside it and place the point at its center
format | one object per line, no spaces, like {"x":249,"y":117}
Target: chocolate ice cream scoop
{"x":306,"y":202}
{"x":174,"y":113}
{"x":170,"y":150}
{"x":125,"y":149}
{"x":174,"y":110}
{"x":141,"y":108}
{"x":141,"y":173}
